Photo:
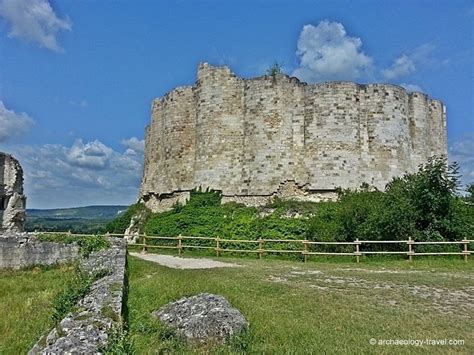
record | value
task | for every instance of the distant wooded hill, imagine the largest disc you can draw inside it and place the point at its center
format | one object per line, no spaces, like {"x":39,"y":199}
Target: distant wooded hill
{"x":89,"y":219}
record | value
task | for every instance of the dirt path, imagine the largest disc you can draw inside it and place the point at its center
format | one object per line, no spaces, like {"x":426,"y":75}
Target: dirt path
{"x":182,"y":263}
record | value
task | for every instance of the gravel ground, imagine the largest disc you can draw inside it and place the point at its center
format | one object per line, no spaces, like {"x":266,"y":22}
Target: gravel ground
{"x":182,"y":263}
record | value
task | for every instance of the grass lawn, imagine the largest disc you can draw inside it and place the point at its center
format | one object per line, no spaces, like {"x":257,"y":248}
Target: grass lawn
{"x":25,"y":305}
{"x":332,"y":307}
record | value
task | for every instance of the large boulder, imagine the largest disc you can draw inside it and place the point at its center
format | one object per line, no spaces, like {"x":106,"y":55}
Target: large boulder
{"x":203,"y":319}
{"x":12,"y":199}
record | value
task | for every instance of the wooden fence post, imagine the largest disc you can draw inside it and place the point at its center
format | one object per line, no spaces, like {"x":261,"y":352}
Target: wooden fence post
{"x":217,"y":246}
{"x":305,"y":250}
{"x":260,"y":248}
{"x":410,"y":249}
{"x":357,"y":251}
{"x":180,"y":245}
{"x":144,"y":243}
{"x":466,"y":243}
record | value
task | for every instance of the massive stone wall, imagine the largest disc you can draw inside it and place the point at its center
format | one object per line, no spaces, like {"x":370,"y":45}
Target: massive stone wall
{"x":12,"y":199}
{"x":276,"y":136}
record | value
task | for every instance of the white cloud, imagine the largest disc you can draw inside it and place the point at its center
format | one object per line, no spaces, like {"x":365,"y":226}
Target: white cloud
{"x":34,"y":21}
{"x":461,"y":150}
{"x":93,"y":155}
{"x":12,"y":123}
{"x":326,"y":52}
{"x":81,"y":174}
{"x":412,"y":87}
{"x":408,"y":64}
{"x":402,"y":66}
{"x":135,"y":144}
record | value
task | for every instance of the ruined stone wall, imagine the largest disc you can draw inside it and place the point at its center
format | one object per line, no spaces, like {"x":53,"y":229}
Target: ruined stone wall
{"x":87,"y":329}
{"x":19,"y":251}
{"x":12,"y":199}
{"x":276,"y":136}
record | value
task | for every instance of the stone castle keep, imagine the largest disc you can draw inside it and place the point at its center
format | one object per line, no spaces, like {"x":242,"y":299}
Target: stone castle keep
{"x":254,"y":139}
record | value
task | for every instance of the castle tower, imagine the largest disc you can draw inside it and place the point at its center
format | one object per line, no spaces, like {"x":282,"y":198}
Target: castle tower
{"x":257,"y":138}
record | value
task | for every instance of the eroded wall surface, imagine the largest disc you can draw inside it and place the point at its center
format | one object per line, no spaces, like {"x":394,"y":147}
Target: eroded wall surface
{"x":276,"y":136}
{"x":12,"y":199}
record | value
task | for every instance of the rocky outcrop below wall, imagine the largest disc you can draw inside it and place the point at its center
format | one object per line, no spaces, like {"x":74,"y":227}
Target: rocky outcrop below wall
{"x":86,"y":330}
{"x":257,"y":138}
{"x":12,"y":199}
{"x":21,"y":250}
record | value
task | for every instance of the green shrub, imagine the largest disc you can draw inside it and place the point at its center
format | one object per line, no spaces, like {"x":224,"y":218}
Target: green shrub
{"x":204,"y":216}
{"x":326,"y":224}
{"x":300,"y":207}
{"x":274,"y":69}
{"x":121,"y":223}
{"x":204,"y":199}
{"x":92,"y":243}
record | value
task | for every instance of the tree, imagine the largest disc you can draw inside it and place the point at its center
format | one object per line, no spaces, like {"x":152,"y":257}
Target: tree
{"x":432,"y":194}
{"x":470,"y":192}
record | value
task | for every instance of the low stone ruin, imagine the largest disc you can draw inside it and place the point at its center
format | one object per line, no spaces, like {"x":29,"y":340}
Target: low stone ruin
{"x":203,"y":319}
{"x":12,"y":199}
{"x":22,"y":250}
{"x":88,"y":327}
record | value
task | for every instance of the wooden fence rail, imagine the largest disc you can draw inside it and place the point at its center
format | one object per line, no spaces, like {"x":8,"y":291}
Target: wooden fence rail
{"x":216,"y":243}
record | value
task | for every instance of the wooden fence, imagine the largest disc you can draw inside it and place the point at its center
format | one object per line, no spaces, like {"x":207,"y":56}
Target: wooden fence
{"x":180,"y":243}
{"x":306,"y":247}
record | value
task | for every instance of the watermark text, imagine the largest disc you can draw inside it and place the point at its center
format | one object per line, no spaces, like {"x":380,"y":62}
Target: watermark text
{"x":416,"y":342}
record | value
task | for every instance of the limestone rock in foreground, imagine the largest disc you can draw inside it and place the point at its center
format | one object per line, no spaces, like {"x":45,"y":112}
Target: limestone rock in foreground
{"x":204,"y":318}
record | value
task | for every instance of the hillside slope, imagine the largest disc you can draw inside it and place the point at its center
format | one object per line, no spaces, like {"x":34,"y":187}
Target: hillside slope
{"x":88,"y":219}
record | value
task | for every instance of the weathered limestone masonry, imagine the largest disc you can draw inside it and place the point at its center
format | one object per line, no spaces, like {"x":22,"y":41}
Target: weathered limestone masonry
{"x":276,"y":136}
{"x":86,"y":330}
{"x":20,"y":250}
{"x":12,"y":199}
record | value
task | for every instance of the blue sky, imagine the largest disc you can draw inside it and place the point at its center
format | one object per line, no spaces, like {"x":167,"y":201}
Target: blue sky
{"x":77,"y":77}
